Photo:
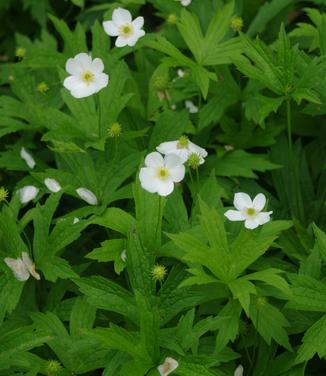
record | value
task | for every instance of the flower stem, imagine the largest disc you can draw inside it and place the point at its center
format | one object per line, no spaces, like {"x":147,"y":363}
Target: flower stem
{"x":98,"y":108}
{"x":289,"y":122}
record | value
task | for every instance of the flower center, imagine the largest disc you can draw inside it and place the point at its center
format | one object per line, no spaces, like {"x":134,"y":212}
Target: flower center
{"x":126,"y":30}
{"x":183,"y":142}
{"x":163,"y":173}
{"x":251,"y":211}
{"x":88,"y":77}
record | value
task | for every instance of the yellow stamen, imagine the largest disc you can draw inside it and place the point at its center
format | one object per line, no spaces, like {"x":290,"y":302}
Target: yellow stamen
{"x":126,"y":30}
{"x":88,"y":77}
{"x":251,"y":211}
{"x":163,"y":173}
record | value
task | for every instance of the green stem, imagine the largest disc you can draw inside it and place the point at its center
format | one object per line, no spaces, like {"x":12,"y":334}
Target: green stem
{"x":98,"y":108}
{"x":289,"y":122}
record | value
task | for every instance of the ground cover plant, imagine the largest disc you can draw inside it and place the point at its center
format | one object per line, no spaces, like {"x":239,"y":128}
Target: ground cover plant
{"x":162,"y":187}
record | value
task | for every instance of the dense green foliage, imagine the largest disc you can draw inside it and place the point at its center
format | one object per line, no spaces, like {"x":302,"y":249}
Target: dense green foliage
{"x":228,"y":295}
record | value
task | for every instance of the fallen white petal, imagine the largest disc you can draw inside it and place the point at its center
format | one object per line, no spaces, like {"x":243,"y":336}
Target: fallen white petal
{"x":87,"y":195}
{"x":27,"y":158}
{"x":238,"y":371}
{"x":168,"y":366}
{"x":52,"y":185}
{"x":27,"y":193}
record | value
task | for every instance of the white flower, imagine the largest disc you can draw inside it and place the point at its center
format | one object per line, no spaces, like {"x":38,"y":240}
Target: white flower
{"x":122,"y":26}
{"x":27,"y":158}
{"x":87,"y":195}
{"x":22,"y":267}
{"x":248,"y":210}
{"x":75,"y":220}
{"x":52,"y":185}
{"x":168,"y":366}
{"x":123,"y":255}
{"x":160,"y":173}
{"x":27,"y":193}
{"x":183,"y":148}
{"x":191,"y":107}
{"x":238,"y":371}
{"x":87,"y":76}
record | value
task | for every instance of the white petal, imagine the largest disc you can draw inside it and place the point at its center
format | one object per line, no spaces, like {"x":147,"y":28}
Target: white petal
{"x":121,"y":42}
{"x":168,"y":366}
{"x":242,"y":201}
{"x":18,"y":268}
{"x":154,"y":159}
{"x":83,"y":91}
{"x":87,"y":195}
{"x":134,"y":38}
{"x":234,"y":215}
{"x":264,"y":217}
{"x":180,"y":72}
{"x":177,"y":173}
{"x":138,"y":22}
{"x":191,"y":107}
{"x":85,"y":60}
{"x":27,"y":158}
{"x":72,"y":82}
{"x":121,"y":16}
{"x":259,"y":202}
{"x":172,"y":160}
{"x":165,"y":187}
{"x":97,"y":65}
{"x":238,"y":371}
{"x":111,"y":28}
{"x":185,"y":3}
{"x":73,"y":67}
{"x":168,"y":147}
{"x":123,"y":255}
{"x":251,"y":223}
{"x":147,"y":179}
{"x":101,"y":81}
{"x":52,"y":185}
{"x":30,"y":265}
{"x":197,"y":149}
{"x":27,"y":193}
{"x":75,"y":220}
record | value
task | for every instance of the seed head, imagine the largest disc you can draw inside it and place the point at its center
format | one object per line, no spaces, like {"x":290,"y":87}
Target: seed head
{"x":20,"y":52}
{"x":160,"y":80}
{"x":193,"y":161}
{"x":172,"y":19}
{"x":115,"y":130}
{"x":53,"y":368}
{"x":237,"y":24}
{"x":159,"y":273}
{"x":261,"y":301}
{"x":3,"y":194}
{"x":42,"y":87}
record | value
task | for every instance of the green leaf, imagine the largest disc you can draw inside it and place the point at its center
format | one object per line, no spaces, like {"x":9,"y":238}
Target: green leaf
{"x":82,"y":317}
{"x":269,"y":322}
{"x":308,"y":294}
{"x":108,"y":295}
{"x":170,"y":126}
{"x":313,"y":342}
{"x":116,"y":219}
{"x":266,"y":13}
{"x":243,"y":164}
{"x":241,"y":290}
